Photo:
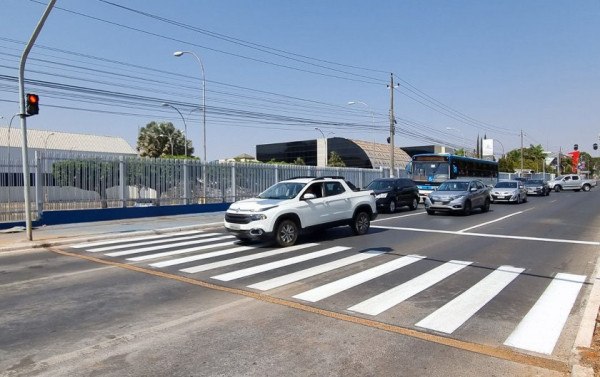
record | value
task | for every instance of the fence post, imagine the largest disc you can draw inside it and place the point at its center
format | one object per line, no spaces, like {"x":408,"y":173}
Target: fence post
{"x":186,"y":182}
{"x":39,"y":185}
{"x":233,"y":185}
{"x":122,"y":183}
{"x":276,"y":174}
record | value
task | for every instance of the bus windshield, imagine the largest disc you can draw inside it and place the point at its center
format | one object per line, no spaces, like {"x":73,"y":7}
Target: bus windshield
{"x":429,"y":171}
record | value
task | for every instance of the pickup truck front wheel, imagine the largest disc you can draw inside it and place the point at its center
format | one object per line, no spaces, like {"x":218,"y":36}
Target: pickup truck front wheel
{"x":286,"y":233}
{"x":361,"y":223}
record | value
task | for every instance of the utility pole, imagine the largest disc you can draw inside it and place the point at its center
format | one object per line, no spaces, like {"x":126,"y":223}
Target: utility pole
{"x":392,"y":126}
{"x":521,"y":154}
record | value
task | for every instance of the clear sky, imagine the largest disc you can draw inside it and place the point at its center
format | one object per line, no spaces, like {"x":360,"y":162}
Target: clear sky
{"x":275,"y":70}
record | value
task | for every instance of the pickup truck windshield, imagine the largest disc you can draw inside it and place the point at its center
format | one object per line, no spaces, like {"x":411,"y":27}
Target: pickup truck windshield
{"x":282,"y":190}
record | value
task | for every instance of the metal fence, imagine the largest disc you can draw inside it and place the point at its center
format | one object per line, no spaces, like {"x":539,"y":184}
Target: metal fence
{"x":64,"y":181}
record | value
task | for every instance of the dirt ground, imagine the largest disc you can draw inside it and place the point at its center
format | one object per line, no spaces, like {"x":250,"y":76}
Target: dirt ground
{"x":591,"y":356}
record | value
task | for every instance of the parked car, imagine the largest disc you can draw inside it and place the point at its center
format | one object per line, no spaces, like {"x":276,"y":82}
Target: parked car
{"x":571,"y":182}
{"x":392,"y":193}
{"x":509,"y":191}
{"x":537,"y":187}
{"x":459,"y":196}
{"x":289,"y":207}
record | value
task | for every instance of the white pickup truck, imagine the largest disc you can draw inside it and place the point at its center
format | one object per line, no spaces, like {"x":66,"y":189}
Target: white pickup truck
{"x":291,"y":206}
{"x":571,"y":182}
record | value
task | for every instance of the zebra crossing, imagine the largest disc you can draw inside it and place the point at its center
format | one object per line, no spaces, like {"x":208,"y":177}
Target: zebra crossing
{"x":195,"y":252}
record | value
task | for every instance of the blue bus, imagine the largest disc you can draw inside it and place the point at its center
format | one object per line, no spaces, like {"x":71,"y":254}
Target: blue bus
{"x":431,"y":169}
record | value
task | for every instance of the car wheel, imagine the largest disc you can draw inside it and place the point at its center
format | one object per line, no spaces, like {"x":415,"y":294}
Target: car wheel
{"x":548,"y":192}
{"x":486,"y":205}
{"x":430,"y":212}
{"x":361,"y":223}
{"x":525,"y":199}
{"x":518,"y":201}
{"x":392,"y":206}
{"x":557,"y":188}
{"x":413,"y":204}
{"x":286,"y":233}
{"x":586,"y":188}
{"x":467,"y":208}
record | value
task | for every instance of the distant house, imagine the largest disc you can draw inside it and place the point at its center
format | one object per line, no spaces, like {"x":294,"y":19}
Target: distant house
{"x":44,"y":141}
{"x":244,"y":157}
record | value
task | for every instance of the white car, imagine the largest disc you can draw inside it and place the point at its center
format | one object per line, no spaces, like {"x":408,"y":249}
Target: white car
{"x":291,"y":206}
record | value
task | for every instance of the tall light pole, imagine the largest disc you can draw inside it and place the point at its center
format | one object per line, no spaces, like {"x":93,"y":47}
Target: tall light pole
{"x":184,"y":125}
{"x":461,"y":135}
{"x":372,"y":119}
{"x":178,"y":54}
{"x":170,"y":137}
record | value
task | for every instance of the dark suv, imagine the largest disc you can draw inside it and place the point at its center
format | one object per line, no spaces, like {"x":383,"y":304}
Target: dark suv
{"x":392,"y":193}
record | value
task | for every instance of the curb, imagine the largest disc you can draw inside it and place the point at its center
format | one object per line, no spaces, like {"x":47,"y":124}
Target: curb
{"x":65,"y":241}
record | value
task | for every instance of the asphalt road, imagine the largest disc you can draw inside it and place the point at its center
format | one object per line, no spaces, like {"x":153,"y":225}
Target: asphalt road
{"x":499,"y":293}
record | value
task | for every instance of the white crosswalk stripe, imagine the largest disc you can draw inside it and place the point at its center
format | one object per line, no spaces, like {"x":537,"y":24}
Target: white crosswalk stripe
{"x":313,"y":271}
{"x":281,"y":263}
{"x":183,"y":251}
{"x":452,"y":315}
{"x":113,"y":241}
{"x":166,"y":246}
{"x":193,"y":258}
{"x":229,"y":262}
{"x":341,"y":285}
{"x":390,"y":298}
{"x":541,"y":327}
{"x":153,"y":242}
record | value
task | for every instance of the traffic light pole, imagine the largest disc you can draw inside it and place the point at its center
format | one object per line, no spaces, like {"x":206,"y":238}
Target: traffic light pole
{"x":23,"y":115}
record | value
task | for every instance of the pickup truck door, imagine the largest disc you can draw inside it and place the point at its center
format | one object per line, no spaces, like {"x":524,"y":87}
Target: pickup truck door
{"x":313,"y":211}
{"x":338,"y":202}
{"x":575,"y":182}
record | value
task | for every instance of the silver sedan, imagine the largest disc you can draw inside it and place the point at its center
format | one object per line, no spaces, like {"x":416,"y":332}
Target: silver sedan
{"x":459,"y":196}
{"x":510,"y":192}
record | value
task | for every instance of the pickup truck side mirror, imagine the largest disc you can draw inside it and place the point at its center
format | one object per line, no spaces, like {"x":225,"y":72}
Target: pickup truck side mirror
{"x":308,"y":195}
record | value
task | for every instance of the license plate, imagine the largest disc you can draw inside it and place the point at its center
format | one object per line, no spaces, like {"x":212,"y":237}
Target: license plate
{"x":500,"y":197}
{"x":235,"y":226}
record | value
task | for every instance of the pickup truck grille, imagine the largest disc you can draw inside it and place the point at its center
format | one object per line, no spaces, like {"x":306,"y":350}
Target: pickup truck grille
{"x":237,"y":219}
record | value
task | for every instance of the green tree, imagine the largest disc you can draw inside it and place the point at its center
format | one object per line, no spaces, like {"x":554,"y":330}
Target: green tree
{"x":158,"y":139}
{"x":299,"y":161}
{"x":335,"y":160}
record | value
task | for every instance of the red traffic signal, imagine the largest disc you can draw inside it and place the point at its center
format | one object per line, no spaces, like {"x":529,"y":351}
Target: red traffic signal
{"x":32,"y":104}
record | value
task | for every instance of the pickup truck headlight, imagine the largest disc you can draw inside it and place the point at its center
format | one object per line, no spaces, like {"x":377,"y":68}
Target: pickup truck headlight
{"x":258,"y":217}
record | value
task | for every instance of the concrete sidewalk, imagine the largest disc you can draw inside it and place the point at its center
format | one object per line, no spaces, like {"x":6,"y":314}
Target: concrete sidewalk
{"x":54,"y":235}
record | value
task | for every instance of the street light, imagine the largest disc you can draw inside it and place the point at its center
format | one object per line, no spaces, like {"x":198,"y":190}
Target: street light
{"x":170,"y":136}
{"x":184,"y":125}
{"x":372,"y":119}
{"x":462,"y":136}
{"x":46,"y":143}
{"x":178,"y":54}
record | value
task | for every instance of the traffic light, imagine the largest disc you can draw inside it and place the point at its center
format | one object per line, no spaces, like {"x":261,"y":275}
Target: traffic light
{"x":575,"y":147}
{"x":595,"y":146}
{"x":32,"y":104}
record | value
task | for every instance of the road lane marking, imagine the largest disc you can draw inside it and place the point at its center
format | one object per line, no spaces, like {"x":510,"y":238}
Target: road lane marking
{"x":456,"y":312}
{"x":280,"y":263}
{"x":399,"y":217}
{"x":154,"y":242}
{"x":491,"y":222}
{"x":167,"y":246}
{"x":181,"y":251}
{"x":193,"y":258}
{"x":541,"y":327}
{"x":120,"y":240}
{"x":341,"y":285}
{"x":577,"y":242}
{"x":313,"y":271}
{"x":392,"y":297}
{"x":501,"y":353}
{"x":247,"y":258}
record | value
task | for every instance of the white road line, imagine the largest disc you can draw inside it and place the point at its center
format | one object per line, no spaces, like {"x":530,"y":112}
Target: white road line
{"x":181,"y":251}
{"x":341,"y":285}
{"x":247,"y":258}
{"x":541,"y":327}
{"x":392,"y":297}
{"x":166,"y":246}
{"x":194,"y":258}
{"x":456,"y":312}
{"x":399,"y":217}
{"x":491,"y":222}
{"x":309,"y":272}
{"x":113,"y":241}
{"x":125,"y":246}
{"x":278,"y":264}
{"x":577,"y":242}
